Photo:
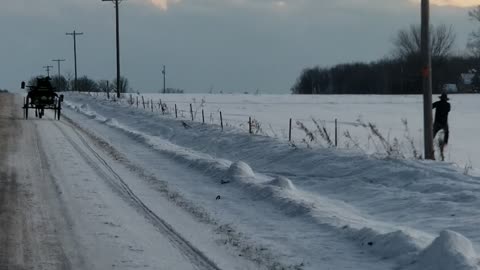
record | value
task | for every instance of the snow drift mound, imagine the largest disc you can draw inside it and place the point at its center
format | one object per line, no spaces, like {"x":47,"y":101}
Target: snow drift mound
{"x":400,"y":245}
{"x":85,"y":109}
{"x":282,"y":182}
{"x":449,"y":251}
{"x":111,"y":121}
{"x":240,"y":170}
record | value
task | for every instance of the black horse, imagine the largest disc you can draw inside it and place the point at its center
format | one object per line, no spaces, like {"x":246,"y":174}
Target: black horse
{"x":42,"y":96}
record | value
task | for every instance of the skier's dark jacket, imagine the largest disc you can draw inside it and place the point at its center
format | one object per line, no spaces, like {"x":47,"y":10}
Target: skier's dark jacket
{"x":441,"y":113}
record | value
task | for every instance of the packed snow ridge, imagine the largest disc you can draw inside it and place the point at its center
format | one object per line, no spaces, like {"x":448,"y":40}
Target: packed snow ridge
{"x":393,"y":209}
{"x":448,"y":251}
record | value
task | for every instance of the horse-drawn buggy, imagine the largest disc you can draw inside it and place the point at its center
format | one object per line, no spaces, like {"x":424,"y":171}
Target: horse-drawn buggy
{"x":42,"y":96}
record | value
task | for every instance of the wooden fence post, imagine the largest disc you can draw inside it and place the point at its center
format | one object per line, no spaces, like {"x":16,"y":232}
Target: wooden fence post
{"x":221,"y":119}
{"x":137,"y":102}
{"x":143,"y":102}
{"x":151,"y":104}
{"x":203,"y":117}
{"x":290,"y":131}
{"x":336,"y":133}
{"x":191,"y":110}
{"x":176,"y":113}
{"x":250,"y":125}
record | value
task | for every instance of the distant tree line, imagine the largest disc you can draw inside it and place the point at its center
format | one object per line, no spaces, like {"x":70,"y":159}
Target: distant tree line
{"x":86,"y":84}
{"x":174,"y":91}
{"x":389,"y":76}
{"x":400,"y":73}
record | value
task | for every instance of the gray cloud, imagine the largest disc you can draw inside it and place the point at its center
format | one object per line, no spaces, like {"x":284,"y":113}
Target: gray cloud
{"x":232,"y":45}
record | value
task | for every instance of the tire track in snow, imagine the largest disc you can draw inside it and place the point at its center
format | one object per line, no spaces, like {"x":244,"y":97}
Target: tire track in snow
{"x":200,"y":260}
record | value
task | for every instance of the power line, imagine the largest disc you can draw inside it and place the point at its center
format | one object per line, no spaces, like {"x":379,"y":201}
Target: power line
{"x":164,"y":72}
{"x":75,"y":34}
{"x":58,"y":64}
{"x":48,"y":70}
{"x":427,"y":80}
{"x":116,"y":2}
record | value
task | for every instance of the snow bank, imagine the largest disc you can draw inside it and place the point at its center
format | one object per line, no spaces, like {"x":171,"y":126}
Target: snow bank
{"x":240,"y":170}
{"x":282,"y":182}
{"x":314,"y":192}
{"x":85,"y":110}
{"x":449,"y":251}
{"x":401,"y":245}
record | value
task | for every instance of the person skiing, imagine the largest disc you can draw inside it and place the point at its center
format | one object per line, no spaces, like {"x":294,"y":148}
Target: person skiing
{"x":442,"y":108}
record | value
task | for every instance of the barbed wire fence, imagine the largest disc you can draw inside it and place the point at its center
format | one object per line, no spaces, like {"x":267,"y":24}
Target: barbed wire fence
{"x":307,"y":131}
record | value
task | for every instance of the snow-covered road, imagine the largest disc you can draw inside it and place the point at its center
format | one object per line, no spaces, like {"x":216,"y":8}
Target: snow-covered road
{"x":67,"y":205}
{"x":113,"y":187}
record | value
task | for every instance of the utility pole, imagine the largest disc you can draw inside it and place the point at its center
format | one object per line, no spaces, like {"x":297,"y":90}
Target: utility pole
{"x":116,"y":2}
{"x":164,"y":72}
{"x":75,"y":34}
{"x":48,"y":70}
{"x":427,"y":80}
{"x":58,"y":65}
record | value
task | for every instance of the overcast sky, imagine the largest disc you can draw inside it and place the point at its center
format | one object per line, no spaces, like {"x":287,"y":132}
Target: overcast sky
{"x":229,"y":45}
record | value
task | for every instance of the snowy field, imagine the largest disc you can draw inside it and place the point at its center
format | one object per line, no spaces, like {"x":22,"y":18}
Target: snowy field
{"x":273,"y":112}
{"x":301,"y":208}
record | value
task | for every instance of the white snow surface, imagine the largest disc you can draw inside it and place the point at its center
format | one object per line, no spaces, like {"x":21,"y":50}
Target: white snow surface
{"x":273,"y":112}
{"x":449,"y":250}
{"x":278,"y":205}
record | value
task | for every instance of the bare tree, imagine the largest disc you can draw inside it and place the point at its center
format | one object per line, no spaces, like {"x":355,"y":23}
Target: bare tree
{"x":70,"y":81}
{"x":443,"y":39}
{"x":475,"y":13}
{"x":312,"y":81}
{"x":124,"y":85}
{"x":407,"y":42}
{"x":85,"y":84}
{"x":473,"y":44}
{"x":105,"y":86}
{"x":59,"y":83}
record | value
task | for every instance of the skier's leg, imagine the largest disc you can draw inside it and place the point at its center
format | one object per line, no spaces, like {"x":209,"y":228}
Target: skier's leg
{"x":436,"y":129}
{"x":443,"y":141}
{"x":447,"y":134}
